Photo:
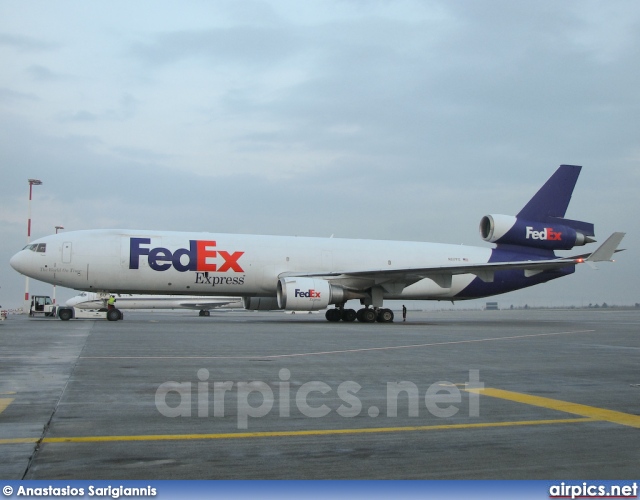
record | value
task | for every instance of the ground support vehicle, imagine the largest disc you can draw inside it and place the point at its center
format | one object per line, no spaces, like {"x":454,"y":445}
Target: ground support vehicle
{"x":42,"y":304}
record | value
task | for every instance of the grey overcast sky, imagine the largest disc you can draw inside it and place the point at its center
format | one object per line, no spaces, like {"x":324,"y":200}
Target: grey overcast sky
{"x":383,"y":119}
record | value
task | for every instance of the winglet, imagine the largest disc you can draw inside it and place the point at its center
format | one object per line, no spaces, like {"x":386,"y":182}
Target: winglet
{"x":605,"y":251}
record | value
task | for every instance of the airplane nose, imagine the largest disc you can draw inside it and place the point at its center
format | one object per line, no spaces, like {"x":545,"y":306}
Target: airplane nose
{"x":18,"y":262}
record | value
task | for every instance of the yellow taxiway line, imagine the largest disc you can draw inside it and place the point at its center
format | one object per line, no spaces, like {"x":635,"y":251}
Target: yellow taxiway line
{"x":4,"y":402}
{"x":312,"y":432}
{"x":586,"y":413}
{"x":592,"y":412}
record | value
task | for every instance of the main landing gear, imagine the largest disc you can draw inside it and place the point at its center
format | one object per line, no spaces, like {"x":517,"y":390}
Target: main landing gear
{"x":364,"y":315}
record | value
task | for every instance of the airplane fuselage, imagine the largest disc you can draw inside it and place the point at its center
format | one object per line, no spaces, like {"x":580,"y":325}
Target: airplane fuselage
{"x":308,"y":274}
{"x":127,"y":261}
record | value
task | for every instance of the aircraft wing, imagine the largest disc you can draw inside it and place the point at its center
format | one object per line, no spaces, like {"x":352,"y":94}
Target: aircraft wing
{"x":442,"y":274}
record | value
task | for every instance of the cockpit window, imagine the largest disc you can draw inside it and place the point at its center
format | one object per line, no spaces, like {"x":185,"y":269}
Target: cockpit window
{"x":37,"y":247}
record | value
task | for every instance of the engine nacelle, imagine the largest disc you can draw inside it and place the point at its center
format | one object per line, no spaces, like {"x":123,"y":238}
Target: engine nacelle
{"x":507,"y":229}
{"x":308,"y":294}
{"x":260,"y":303}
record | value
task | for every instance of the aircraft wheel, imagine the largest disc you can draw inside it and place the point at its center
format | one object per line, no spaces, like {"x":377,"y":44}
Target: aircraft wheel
{"x":348,"y":315}
{"x":65,"y":314}
{"x":333,"y":315}
{"x":366,"y":315}
{"x":114,"y":315}
{"x":385,"y":316}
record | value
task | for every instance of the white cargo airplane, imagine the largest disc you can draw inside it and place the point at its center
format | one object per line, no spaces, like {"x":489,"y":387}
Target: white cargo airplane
{"x":91,"y":300}
{"x":309,"y":274}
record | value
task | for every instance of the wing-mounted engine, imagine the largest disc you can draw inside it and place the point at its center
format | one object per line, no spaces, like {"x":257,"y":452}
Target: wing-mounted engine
{"x":309,"y":294}
{"x":554,"y":233}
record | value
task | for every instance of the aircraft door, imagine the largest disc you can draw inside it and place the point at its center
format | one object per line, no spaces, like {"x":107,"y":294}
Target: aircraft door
{"x":66,"y":252}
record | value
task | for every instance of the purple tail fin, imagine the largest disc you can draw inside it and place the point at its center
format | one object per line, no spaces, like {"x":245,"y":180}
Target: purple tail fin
{"x":550,"y":203}
{"x":553,"y":198}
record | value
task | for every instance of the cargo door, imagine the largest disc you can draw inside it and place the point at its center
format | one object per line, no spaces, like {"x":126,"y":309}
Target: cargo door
{"x":66,"y":252}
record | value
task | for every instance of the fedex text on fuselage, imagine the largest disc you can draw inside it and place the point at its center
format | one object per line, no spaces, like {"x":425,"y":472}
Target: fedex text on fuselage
{"x":201,"y":255}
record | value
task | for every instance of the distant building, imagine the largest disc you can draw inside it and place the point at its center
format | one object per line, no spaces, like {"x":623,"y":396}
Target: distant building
{"x":491,"y":306}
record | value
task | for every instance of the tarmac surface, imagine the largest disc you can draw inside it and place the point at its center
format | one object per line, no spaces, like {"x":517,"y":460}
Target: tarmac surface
{"x":525,"y":394}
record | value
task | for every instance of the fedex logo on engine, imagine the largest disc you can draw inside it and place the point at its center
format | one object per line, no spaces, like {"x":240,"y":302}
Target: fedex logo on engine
{"x":547,"y":234}
{"x":311,"y":294}
{"x":201,"y":255}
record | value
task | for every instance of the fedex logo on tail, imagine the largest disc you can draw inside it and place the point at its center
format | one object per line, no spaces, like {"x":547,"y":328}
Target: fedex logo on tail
{"x":547,"y":234}
{"x":311,"y":294}
{"x":201,"y":255}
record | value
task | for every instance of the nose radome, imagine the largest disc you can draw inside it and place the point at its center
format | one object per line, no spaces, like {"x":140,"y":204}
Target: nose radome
{"x":17,"y":262}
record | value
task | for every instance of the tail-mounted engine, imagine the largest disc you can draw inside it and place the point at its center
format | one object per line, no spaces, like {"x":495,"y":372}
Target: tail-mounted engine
{"x":553,"y":234}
